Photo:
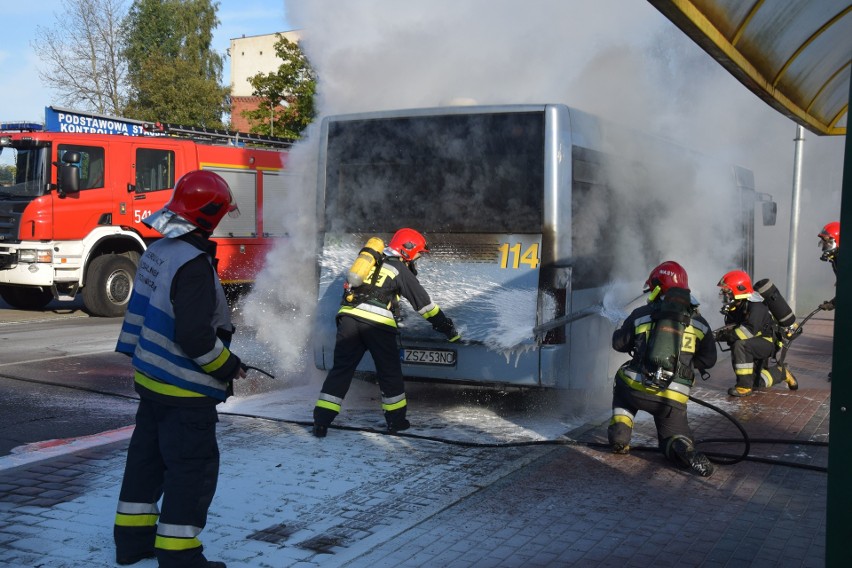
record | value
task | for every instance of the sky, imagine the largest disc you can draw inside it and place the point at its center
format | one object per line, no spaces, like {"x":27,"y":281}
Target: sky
{"x":23,"y":96}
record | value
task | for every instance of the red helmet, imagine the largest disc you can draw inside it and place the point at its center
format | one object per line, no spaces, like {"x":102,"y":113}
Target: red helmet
{"x":829,"y":239}
{"x":408,"y":243}
{"x":736,"y":284}
{"x":667,"y":275}
{"x":202,"y":197}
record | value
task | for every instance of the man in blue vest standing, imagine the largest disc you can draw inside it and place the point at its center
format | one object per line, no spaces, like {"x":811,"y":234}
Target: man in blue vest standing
{"x":177,"y":329}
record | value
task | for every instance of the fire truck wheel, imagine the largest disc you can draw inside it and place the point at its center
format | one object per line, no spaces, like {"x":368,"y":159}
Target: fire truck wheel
{"x":109,"y":282}
{"x":26,"y":298}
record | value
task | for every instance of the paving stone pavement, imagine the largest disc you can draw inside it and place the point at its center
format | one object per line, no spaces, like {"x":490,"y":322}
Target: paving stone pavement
{"x":365,"y":499}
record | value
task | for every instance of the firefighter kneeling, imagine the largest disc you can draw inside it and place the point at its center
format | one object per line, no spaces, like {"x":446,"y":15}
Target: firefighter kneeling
{"x":667,"y":339}
{"x":755,"y":328}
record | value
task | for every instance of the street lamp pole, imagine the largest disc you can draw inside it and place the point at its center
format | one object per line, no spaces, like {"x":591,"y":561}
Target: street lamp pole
{"x":794,"y":218}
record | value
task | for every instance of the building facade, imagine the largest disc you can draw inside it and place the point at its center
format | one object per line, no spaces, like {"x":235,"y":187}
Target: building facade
{"x":250,"y":56}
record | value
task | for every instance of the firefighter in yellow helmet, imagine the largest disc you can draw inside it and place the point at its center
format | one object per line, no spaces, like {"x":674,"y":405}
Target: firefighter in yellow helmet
{"x":366,"y":321}
{"x":752,"y":333}
{"x":667,"y":340}
{"x":177,"y":330}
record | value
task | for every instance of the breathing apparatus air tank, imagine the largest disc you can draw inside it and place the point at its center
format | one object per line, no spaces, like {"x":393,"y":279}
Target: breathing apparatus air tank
{"x":776,"y":303}
{"x":367,"y":259}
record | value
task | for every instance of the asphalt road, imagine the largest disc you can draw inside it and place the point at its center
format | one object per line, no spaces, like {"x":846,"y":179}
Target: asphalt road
{"x":59,"y":376}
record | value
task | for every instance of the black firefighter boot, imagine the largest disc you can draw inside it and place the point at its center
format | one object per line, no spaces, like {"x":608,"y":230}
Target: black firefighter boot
{"x":691,"y":458}
{"x":396,"y":420}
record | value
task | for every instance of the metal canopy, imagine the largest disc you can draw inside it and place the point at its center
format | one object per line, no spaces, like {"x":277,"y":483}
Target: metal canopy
{"x":793,"y":54}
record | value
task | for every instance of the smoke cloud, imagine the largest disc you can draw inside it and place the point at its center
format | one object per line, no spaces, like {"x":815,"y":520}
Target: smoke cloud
{"x":622,"y":61}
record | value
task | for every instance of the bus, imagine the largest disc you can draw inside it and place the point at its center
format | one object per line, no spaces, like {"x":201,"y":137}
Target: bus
{"x":532,"y":213}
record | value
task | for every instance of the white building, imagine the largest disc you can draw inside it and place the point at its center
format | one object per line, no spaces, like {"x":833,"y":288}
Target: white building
{"x":250,"y":56}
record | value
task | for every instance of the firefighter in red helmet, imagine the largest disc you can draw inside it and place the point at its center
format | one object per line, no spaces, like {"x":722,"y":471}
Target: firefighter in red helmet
{"x":829,"y":240}
{"x":367,"y":321}
{"x":667,"y":339}
{"x":752,"y":334}
{"x":177,"y":330}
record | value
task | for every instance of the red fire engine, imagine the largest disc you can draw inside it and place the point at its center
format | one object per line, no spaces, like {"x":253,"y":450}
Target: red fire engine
{"x":72,"y":201}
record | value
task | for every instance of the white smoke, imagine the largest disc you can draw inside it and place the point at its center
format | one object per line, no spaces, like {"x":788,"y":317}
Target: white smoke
{"x":619,"y":60}
{"x":281,"y":304}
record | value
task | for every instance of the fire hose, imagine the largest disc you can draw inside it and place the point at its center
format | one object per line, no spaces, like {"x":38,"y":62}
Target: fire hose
{"x":258,"y":369}
{"x":597,"y":308}
{"x":716,"y":457}
{"x":555,"y":442}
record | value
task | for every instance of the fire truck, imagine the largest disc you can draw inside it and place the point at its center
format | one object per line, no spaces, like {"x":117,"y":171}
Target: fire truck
{"x":73,"y":194}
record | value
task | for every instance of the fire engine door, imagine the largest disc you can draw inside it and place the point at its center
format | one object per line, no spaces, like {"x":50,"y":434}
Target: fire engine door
{"x":151,"y":186}
{"x":74,"y":215}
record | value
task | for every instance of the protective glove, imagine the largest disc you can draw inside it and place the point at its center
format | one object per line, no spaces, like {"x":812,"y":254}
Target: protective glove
{"x":442,"y":324}
{"x":725,"y":334}
{"x":453,"y":335}
{"x":828,"y":305}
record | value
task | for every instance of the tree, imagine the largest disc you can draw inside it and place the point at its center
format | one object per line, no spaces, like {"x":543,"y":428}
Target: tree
{"x":7,"y":174}
{"x":173,"y":74}
{"x":294,"y":85}
{"x":81,"y":56}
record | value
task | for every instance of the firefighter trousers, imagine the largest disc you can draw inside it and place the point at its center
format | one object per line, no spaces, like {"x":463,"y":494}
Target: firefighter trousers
{"x":669,"y":417}
{"x":173,"y":455}
{"x":354,"y":338}
{"x":745,"y":353}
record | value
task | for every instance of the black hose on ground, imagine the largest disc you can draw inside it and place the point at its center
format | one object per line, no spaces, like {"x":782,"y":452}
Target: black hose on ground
{"x":723,"y":459}
{"x":719,"y":458}
{"x":730,"y":459}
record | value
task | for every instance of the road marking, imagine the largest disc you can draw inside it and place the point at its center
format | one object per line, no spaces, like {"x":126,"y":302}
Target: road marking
{"x":57,"y":357}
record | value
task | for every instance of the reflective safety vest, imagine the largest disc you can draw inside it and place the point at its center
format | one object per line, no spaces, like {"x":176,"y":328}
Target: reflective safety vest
{"x":148,"y":331}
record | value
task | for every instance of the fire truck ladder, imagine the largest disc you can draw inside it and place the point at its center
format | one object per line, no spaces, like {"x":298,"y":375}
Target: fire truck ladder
{"x":215,"y":135}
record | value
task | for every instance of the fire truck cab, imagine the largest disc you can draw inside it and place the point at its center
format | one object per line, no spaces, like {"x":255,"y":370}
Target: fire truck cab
{"x":72,"y":204}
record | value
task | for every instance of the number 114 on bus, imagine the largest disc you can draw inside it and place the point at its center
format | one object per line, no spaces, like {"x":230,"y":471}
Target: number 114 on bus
{"x":529,"y":256}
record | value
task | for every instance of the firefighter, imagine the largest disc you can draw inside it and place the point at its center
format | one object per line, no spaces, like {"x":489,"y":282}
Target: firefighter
{"x":752,"y":334}
{"x":829,"y":240}
{"x":367,"y":321}
{"x":177,"y":330}
{"x":642,"y":385}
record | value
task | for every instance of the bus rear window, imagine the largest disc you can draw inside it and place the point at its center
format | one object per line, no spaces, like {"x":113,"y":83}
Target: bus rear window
{"x":474,"y":173}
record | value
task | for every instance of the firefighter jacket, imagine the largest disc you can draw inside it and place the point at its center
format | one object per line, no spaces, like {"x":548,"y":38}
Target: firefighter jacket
{"x":698,"y":351}
{"x":177,"y":325}
{"x":747,"y":319}
{"x":376,"y":301}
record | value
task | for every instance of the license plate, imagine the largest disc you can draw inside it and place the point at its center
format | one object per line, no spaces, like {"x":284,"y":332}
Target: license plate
{"x":444,"y":357}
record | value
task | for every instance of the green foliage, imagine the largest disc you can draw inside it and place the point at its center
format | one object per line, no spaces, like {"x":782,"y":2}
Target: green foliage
{"x":173,"y":74}
{"x":289,"y":91}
